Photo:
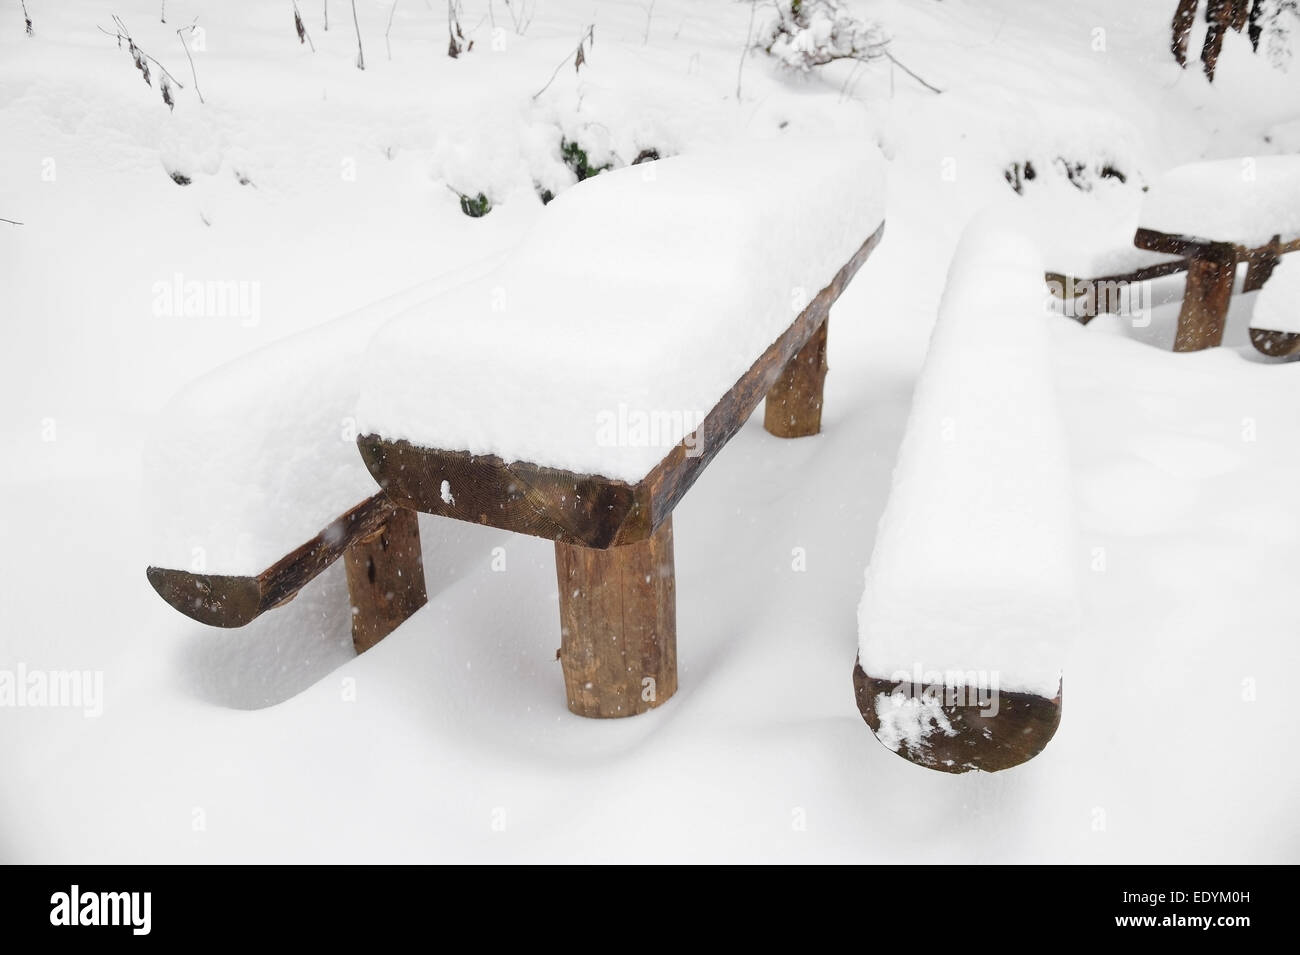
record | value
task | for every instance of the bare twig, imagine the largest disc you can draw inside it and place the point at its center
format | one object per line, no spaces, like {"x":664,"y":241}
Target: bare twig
{"x":455,"y":35}
{"x":10,"y":221}
{"x":185,"y":46}
{"x":649,"y":15}
{"x":893,"y":59}
{"x":579,"y":58}
{"x":300,"y":25}
{"x":162,"y":14}
{"x":327,"y":15}
{"x":749,"y":37}
{"x":123,"y":34}
{"x":361,"y":54}
{"x":387,"y":44}
{"x":522,"y":20}
{"x":30,"y":31}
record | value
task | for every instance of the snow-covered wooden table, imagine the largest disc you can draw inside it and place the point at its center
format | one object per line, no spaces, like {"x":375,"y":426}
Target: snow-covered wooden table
{"x":578,"y":393}
{"x":575,"y":392}
{"x":1218,"y":215}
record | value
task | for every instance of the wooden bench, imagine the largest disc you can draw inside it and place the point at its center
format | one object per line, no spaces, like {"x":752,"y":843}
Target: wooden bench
{"x":970,"y":597}
{"x":256,"y":487}
{"x":1275,"y":325}
{"x":627,"y":293}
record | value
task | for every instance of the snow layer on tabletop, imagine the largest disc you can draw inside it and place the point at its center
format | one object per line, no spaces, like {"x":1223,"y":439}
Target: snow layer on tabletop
{"x":972,"y":568}
{"x":1246,"y":201}
{"x":252,"y":460}
{"x":637,"y":301}
{"x":1277,"y":307}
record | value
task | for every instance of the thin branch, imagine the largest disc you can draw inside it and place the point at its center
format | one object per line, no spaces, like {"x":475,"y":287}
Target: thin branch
{"x":893,"y":59}
{"x":10,"y":221}
{"x":391,"y":14}
{"x":185,"y":46}
{"x":327,"y":15}
{"x":301,"y":26}
{"x":123,"y":34}
{"x":649,"y":15}
{"x":361,"y":54}
{"x":749,"y":37}
{"x":590,"y":34}
{"x":28,"y":19}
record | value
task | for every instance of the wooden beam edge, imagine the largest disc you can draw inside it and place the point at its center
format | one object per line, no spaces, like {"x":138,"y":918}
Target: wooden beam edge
{"x":228,"y":601}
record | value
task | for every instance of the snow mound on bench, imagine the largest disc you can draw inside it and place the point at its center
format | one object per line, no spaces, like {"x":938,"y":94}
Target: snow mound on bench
{"x":254,"y":459}
{"x":1246,"y":201}
{"x":635,"y":304}
{"x":1277,"y":307}
{"x":973,"y":563}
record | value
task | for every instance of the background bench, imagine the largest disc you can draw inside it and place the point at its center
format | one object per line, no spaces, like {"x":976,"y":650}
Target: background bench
{"x":1219,"y":215}
{"x":1190,"y":218}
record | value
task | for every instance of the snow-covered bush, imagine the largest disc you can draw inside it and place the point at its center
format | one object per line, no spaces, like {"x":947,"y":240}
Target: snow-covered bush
{"x":807,"y":33}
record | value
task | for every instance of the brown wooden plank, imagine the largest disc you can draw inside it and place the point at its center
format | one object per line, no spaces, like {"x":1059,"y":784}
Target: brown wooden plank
{"x":618,"y":625}
{"x":1023,"y":725}
{"x":1072,"y":286}
{"x":233,"y":601}
{"x":1187,"y":245}
{"x":793,"y":406}
{"x":385,"y":578}
{"x":587,"y":509}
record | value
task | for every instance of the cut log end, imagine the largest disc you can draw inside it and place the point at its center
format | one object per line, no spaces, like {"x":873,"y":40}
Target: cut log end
{"x":1276,"y":344}
{"x":618,"y":625}
{"x":956,"y":736}
{"x":211,"y":599}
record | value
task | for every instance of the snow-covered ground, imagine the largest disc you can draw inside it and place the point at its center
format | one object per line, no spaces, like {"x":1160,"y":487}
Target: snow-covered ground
{"x":326,"y":188}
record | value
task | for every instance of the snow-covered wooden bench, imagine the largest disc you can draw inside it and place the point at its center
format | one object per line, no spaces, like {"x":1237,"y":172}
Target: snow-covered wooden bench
{"x":1219,"y":215}
{"x":970,"y":596}
{"x":255,"y":484}
{"x":1094,"y":267}
{"x":577,"y":393}
{"x":1275,"y":324}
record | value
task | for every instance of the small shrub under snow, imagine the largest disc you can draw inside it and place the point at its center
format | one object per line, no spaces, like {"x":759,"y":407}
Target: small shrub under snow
{"x":807,"y":33}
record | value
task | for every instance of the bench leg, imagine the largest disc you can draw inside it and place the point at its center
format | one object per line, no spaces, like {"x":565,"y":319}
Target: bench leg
{"x":1210,"y":275}
{"x":385,"y":578}
{"x":1260,"y":265}
{"x":794,"y":404}
{"x":618,"y":625}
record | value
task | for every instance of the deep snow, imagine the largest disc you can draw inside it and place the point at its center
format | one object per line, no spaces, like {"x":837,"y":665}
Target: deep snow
{"x":450,"y":739}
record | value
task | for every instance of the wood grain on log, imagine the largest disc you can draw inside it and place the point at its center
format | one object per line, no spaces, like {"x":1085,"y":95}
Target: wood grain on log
{"x":1260,"y":264}
{"x":586,"y":509}
{"x":1204,"y":312}
{"x":385,"y":578}
{"x":972,"y":739}
{"x":618,"y":625}
{"x":793,"y":406}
